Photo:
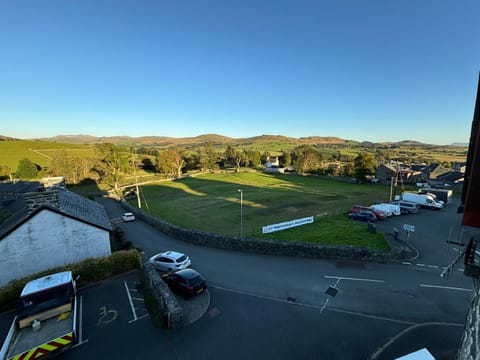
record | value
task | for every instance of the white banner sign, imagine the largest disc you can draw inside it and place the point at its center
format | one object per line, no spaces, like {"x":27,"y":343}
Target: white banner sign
{"x":287,"y":224}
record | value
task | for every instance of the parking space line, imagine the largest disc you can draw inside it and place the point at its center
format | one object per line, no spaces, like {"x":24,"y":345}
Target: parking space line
{"x":80,"y":326}
{"x":354,"y":279}
{"x":131,"y":303}
{"x":444,"y":287}
{"x":324,"y":305}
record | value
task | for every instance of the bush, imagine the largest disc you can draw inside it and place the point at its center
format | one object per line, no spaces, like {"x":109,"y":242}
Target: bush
{"x":90,"y":271}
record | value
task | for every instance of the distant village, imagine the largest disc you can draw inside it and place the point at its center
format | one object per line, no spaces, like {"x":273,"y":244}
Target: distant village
{"x":422,"y":175}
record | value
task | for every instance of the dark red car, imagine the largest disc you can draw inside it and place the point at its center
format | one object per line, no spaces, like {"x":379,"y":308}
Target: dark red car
{"x":380,"y":215}
{"x":186,"y":283}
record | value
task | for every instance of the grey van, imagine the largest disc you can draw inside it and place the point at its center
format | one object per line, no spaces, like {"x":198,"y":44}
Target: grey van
{"x":407,"y":207}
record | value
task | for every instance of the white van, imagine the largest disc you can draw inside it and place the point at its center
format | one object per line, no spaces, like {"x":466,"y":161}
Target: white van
{"x":407,"y":207}
{"x":425,"y":200}
{"x":389,"y":209}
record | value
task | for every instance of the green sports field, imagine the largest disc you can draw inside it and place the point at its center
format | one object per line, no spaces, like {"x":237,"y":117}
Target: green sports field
{"x":211,"y":203}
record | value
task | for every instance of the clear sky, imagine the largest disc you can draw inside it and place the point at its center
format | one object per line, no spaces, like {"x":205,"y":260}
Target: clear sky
{"x":366,"y":70}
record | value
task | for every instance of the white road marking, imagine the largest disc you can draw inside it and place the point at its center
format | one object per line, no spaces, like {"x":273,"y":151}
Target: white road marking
{"x":420,"y":264}
{"x":356,"y":313}
{"x":80,"y":328}
{"x":354,"y":279}
{"x":131,"y":304}
{"x":324,"y":305}
{"x":444,"y":287}
{"x":406,"y":263}
{"x":433,"y":266}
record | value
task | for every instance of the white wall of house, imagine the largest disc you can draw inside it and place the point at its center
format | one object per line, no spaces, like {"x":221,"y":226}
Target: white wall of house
{"x":48,"y":240}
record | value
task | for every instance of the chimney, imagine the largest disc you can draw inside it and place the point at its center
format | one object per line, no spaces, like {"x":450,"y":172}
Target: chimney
{"x":34,"y":200}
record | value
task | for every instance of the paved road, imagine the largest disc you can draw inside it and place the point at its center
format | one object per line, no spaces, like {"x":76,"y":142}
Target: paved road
{"x":289,"y":308}
{"x":363,"y":304}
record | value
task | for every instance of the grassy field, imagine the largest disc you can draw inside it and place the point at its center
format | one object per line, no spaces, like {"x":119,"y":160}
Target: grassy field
{"x":40,"y":152}
{"x":211,"y":203}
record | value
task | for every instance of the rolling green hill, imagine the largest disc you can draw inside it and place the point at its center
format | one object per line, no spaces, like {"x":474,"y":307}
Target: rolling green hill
{"x":40,"y":152}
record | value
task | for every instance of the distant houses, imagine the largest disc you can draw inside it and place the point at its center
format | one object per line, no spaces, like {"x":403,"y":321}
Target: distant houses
{"x":434,"y":174}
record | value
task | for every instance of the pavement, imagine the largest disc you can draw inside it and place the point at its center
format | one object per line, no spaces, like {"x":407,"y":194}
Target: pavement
{"x":440,"y":339}
{"x":194,"y":308}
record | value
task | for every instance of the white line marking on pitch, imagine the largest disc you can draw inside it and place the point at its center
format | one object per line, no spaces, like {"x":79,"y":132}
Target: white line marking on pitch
{"x":354,"y":279}
{"x":445,"y":287}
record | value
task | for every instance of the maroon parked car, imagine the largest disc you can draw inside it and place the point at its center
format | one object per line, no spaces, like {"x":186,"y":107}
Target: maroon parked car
{"x":380,"y":215}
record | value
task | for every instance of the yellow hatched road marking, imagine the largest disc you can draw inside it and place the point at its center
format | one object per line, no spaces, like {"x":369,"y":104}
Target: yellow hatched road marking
{"x":33,"y":353}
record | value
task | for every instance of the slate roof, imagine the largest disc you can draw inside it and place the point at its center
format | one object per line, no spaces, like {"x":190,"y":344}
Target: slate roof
{"x":84,"y":209}
{"x":451,"y":176}
{"x":69,"y":204}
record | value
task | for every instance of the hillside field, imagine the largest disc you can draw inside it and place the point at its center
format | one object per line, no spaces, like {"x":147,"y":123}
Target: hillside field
{"x":40,"y":152}
{"x":211,"y":203}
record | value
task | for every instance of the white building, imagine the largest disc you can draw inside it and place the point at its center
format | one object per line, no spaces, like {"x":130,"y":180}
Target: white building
{"x":54,"y":228}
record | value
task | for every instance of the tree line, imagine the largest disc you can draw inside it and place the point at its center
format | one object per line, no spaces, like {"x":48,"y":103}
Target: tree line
{"x":112,"y":164}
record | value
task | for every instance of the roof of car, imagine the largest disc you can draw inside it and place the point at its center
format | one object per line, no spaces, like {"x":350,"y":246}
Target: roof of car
{"x":172,"y":254}
{"x":187,"y":273}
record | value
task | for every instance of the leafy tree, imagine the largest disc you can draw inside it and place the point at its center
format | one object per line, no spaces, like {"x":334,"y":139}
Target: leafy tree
{"x":348,"y":169}
{"x":265,"y":156}
{"x":230,"y":155}
{"x":234,"y":157}
{"x":252,"y":158}
{"x":62,"y":165}
{"x":207,"y":157}
{"x":305,"y":158}
{"x":5,"y":172}
{"x":112,"y":163}
{"x":171,"y":162}
{"x":148,"y":164}
{"x":285,"y":159}
{"x":26,"y":169}
{"x":192,"y":162}
{"x":364,"y":165}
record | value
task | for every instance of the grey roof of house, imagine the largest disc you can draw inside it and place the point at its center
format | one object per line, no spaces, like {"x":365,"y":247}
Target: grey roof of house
{"x":70,"y":204}
{"x":451,"y":176}
{"x":18,"y":187}
{"x":82,"y":208}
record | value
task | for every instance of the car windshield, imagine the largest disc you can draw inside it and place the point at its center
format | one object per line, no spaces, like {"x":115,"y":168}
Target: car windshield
{"x":181,"y":258}
{"x":197,"y":280}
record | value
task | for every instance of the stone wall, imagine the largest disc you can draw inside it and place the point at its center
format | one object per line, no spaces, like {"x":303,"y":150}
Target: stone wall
{"x":168,"y":305}
{"x":261,"y":246}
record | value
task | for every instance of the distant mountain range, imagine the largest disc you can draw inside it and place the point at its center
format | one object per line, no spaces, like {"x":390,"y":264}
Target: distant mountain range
{"x":163,"y":141}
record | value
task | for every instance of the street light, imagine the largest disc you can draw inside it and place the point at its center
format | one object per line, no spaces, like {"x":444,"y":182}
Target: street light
{"x":241,"y":213}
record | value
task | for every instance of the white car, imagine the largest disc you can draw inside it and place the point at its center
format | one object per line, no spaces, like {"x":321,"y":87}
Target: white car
{"x":170,"y":261}
{"x":128,"y":216}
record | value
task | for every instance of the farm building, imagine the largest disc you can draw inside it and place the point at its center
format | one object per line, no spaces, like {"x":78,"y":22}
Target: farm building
{"x":52,"y":228}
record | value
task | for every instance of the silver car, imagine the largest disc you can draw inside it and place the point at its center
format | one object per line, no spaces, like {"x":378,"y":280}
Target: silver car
{"x":170,"y":261}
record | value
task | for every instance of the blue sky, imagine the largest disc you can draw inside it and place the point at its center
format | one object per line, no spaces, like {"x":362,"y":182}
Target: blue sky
{"x":375,"y":70}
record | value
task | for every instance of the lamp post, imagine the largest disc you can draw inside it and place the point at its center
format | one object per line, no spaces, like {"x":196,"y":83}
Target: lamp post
{"x":241,"y":213}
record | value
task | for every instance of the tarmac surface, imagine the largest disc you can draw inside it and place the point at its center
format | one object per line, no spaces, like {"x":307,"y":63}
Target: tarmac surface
{"x":441,"y":340}
{"x":194,"y":308}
